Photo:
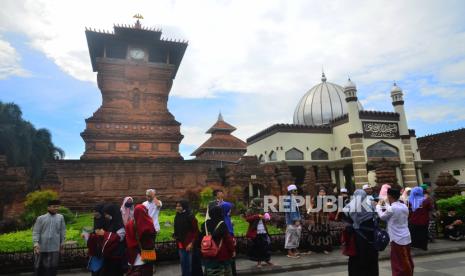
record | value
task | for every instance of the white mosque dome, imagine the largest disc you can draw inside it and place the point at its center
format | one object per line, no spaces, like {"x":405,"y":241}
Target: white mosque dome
{"x":321,"y":104}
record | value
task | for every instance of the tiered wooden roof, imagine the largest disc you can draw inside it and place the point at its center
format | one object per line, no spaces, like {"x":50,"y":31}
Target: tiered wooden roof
{"x":221,"y":139}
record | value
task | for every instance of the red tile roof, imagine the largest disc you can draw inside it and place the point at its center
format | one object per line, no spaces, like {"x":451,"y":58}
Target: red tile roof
{"x":445,"y":145}
{"x":221,"y":142}
{"x":221,"y":125}
{"x":221,"y":139}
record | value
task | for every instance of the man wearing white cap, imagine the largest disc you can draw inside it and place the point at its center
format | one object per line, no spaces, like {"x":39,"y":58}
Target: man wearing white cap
{"x":367,"y":188}
{"x":345,"y":196}
{"x":293,"y":229}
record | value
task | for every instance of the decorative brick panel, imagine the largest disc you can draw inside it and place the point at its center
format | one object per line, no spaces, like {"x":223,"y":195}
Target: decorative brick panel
{"x":101,"y":146}
{"x":145,"y":146}
{"x":122,"y":146}
{"x":163,"y":147}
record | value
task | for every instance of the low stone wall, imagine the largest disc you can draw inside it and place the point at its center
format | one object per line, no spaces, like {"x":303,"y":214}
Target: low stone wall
{"x":83,"y":183}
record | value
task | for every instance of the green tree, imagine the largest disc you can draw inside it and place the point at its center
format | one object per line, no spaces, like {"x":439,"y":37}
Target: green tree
{"x":24,"y":145}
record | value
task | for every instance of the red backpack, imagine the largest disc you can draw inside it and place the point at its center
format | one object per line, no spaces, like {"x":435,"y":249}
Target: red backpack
{"x":208,"y":246}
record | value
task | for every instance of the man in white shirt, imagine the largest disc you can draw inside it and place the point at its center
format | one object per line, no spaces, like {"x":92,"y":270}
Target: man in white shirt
{"x":153,"y":205}
{"x":395,"y":214}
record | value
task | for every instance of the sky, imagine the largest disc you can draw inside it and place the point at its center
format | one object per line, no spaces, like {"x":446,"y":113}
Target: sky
{"x":252,"y":60}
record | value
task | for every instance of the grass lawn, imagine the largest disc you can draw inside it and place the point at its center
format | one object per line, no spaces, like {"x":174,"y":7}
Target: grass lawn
{"x":22,"y":240}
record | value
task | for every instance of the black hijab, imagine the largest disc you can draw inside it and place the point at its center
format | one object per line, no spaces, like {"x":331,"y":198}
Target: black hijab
{"x":116,"y":221}
{"x":99,"y":223}
{"x":183,"y":221}
{"x":216,"y":216}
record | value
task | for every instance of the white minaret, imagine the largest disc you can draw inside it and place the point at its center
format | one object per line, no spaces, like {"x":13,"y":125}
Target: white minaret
{"x":398,"y":103}
{"x":350,"y":91}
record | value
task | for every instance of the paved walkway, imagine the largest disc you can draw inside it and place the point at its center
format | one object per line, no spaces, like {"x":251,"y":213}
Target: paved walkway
{"x":285,"y":264}
{"x":452,"y":264}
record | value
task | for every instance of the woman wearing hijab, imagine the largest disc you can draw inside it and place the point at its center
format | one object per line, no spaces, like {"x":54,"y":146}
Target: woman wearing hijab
{"x":365,"y":261}
{"x":127,"y":209}
{"x":215,"y":226}
{"x":257,"y":233}
{"x":186,"y":232}
{"x":95,"y":242}
{"x":227,"y":207}
{"x":113,"y":249}
{"x":140,"y":234}
{"x":420,"y":208}
{"x":319,"y":233}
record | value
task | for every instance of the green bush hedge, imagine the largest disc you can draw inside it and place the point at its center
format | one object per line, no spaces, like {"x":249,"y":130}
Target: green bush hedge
{"x":206,"y":195}
{"x":457,"y":202}
{"x":36,"y":205}
{"x":22,"y":240}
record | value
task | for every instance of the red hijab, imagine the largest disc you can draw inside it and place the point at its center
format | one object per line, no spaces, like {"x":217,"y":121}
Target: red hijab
{"x":144,"y":226}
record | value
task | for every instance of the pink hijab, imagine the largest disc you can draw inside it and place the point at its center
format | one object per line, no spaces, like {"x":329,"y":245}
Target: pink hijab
{"x":383,"y":192}
{"x":127,"y":213}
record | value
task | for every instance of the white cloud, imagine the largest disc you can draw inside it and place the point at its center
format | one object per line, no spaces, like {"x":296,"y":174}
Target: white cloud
{"x":270,"y":52}
{"x":444,"y":114}
{"x":260,"y":46}
{"x":193,"y":135}
{"x":454,"y":72}
{"x":10,"y":61}
{"x":374,"y":98}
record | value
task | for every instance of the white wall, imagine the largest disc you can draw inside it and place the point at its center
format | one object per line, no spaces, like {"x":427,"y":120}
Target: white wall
{"x":341,"y":139}
{"x":288,"y":141}
{"x":447,"y":165}
{"x":416,"y":152}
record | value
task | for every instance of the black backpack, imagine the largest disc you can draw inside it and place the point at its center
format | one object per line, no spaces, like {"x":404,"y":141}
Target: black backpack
{"x":381,"y":237}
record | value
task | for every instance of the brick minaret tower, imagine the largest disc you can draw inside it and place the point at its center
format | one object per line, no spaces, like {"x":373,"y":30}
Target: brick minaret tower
{"x":136,"y":68}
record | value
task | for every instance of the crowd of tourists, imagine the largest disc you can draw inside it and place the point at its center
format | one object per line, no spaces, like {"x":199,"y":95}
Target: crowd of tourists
{"x":122,"y":241}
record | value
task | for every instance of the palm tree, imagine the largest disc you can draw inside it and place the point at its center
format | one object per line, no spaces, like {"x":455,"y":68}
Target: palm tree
{"x":24,"y":145}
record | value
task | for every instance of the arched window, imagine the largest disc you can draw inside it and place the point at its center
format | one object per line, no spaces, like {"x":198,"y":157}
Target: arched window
{"x":261,"y":159}
{"x":382,"y":149}
{"x":272,"y":156}
{"x":345,"y":152}
{"x":294,"y":154}
{"x":319,"y":154}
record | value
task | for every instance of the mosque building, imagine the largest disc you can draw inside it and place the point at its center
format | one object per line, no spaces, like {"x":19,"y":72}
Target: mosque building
{"x":332,"y":130}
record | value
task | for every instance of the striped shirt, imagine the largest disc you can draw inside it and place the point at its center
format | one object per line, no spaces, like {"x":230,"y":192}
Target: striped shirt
{"x":49,"y":232}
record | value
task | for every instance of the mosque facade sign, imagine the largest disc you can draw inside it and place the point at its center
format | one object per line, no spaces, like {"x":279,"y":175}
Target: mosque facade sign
{"x":385,"y":130}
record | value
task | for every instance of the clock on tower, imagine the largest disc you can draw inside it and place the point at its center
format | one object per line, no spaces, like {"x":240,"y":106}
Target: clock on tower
{"x":135,"y":71}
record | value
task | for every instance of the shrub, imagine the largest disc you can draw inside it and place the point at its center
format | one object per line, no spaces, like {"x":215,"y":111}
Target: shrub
{"x":239,"y":208}
{"x":39,"y":199}
{"x":206,"y":196}
{"x":457,"y":202}
{"x":36,"y":205}
{"x":67,"y":214}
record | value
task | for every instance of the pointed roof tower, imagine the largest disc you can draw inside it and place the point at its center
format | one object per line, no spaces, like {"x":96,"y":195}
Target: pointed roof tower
{"x":221,"y":126}
{"x":221,"y":145}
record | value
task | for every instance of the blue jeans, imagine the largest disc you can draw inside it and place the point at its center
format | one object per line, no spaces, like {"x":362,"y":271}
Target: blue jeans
{"x":186,"y":262}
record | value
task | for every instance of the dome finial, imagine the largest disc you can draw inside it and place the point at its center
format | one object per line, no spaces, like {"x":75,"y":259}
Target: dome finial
{"x":395,"y":88}
{"x":349,"y":84}
{"x":220,"y":117}
{"x":323,"y":77}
